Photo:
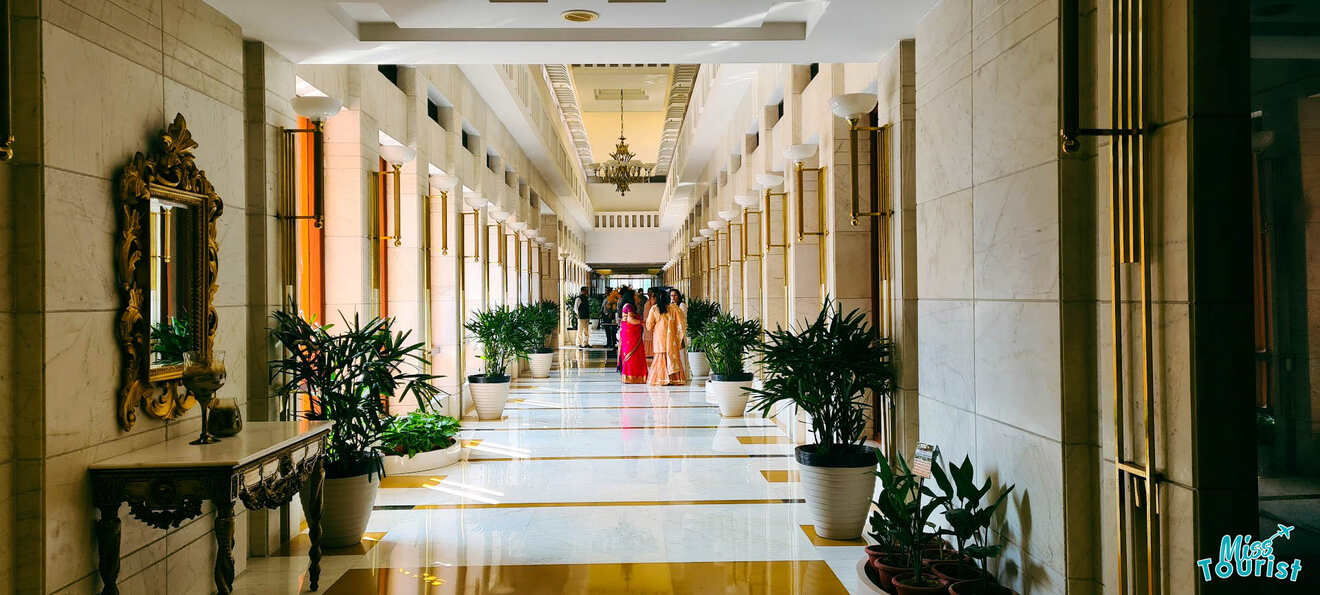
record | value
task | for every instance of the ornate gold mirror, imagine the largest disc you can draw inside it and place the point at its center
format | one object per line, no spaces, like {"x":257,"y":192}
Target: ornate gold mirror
{"x":167,"y":260}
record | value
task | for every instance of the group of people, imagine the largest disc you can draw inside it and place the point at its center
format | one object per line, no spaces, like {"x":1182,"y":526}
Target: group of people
{"x":651,"y":333}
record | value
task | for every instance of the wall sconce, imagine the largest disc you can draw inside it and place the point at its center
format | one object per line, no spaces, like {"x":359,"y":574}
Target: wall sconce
{"x":396,"y":156}
{"x":769,"y":180}
{"x":852,"y":107}
{"x":317,"y":109}
{"x":445,"y":183}
{"x":798,"y":154}
{"x":499,"y":216}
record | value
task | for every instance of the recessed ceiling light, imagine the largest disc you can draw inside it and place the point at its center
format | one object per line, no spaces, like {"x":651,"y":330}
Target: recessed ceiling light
{"x":580,"y":15}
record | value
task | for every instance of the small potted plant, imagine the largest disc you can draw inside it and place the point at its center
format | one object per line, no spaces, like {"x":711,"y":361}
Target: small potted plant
{"x":699,"y":312}
{"x":907,"y":504}
{"x":726,"y":338}
{"x":969,"y":524}
{"x":826,"y":370}
{"x":349,"y":377}
{"x":502,"y":343}
{"x":540,"y":320}
{"x":420,"y":440}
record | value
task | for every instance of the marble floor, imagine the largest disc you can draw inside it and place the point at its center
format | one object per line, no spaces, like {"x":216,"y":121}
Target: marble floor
{"x":589,"y":486}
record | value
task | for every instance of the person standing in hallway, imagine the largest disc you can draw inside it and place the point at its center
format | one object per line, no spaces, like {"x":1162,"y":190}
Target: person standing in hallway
{"x":627,"y":299}
{"x":648,"y":335}
{"x":676,"y":298}
{"x":609,"y":318}
{"x":632,"y":349}
{"x":582,"y":305}
{"x":668,"y":327}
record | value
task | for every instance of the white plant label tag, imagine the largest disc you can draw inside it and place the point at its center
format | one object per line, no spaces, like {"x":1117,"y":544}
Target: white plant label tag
{"x":922,"y":459}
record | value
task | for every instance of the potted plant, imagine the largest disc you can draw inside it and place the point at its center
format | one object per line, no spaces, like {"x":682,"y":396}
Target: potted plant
{"x":907,"y":505}
{"x":420,"y":440}
{"x":699,"y":312}
{"x":501,"y":344}
{"x":969,"y":524}
{"x":348,"y":378}
{"x":825,"y":370}
{"x":572,"y":312}
{"x":170,"y":339}
{"x":539,"y":322}
{"x":725,"y":339}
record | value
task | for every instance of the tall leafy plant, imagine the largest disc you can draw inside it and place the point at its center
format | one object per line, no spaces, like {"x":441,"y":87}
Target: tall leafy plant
{"x":902,"y":512}
{"x":699,"y":313}
{"x":826,"y":368}
{"x":969,"y":521}
{"x":725,"y":339}
{"x":539,"y":321}
{"x":502,"y":340}
{"x":349,"y":377}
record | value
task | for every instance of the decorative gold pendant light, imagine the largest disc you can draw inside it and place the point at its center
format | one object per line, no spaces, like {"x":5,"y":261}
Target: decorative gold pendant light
{"x":621,"y":169}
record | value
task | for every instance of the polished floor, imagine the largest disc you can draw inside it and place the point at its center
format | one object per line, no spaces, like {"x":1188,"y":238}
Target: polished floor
{"x":590,"y":486}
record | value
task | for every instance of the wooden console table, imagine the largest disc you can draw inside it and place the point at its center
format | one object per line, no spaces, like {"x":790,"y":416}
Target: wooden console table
{"x":165,"y":484}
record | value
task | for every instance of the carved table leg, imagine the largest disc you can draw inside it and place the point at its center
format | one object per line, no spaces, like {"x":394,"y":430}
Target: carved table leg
{"x":107,"y":545}
{"x":312,"y":495}
{"x":224,"y":542}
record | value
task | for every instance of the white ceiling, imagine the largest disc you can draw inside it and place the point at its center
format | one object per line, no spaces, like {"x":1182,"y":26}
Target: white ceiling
{"x":486,"y":32}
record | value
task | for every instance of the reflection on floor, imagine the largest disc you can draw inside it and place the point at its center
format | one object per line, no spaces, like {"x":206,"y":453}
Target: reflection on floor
{"x":591,"y":486}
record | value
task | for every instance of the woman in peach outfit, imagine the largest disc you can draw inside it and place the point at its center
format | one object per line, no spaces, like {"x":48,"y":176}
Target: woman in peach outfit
{"x":668,"y":326}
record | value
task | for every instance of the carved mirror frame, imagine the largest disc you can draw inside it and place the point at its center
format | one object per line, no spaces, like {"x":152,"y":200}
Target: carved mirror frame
{"x":169,"y":172}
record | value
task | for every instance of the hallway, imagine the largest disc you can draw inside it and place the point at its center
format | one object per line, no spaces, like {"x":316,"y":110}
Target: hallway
{"x":589,"y":486}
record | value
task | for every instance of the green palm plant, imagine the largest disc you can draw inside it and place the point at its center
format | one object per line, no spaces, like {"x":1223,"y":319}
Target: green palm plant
{"x":349,"y":377}
{"x":502,"y":339}
{"x":826,"y":368}
{"x":902,"y":512}
{"x":724,"y":339}
{"x":699,"y":313}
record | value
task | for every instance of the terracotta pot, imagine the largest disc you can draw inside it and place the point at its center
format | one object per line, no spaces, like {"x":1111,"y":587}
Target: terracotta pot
{"x":935,"y":555}
{"x":935,"y":587}
{"x":888,"y":566}
{"x":980,"y":588}
{"x":875,"y":552}
{"x":955,"y":572}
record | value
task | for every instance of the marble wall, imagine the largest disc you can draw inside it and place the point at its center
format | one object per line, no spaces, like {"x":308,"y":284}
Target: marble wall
{"x":992,"y":361}
{"x":102,"y":82}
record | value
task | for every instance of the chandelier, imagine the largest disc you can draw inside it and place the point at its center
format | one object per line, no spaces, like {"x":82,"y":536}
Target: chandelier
{"x":621,"y":169}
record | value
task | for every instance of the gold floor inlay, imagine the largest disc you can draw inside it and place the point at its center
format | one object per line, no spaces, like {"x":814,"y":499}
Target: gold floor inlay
{"x":470,"y":443}
{"x":534,"y":428}
{"x":819,"y":541}
{"x":485,"y":505}
{"x":764,"y":439}
{"x":411,"y":481}
{"x":298,"y":546}
{"x":780,"y":475}
{"x":476,"y":459}
{"x":537,"y":407}
{"x":778,"y":577}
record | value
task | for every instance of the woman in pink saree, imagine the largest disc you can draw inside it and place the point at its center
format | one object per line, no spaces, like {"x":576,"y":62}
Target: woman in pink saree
{"x":667,"y":325}
{"x":632,"y":350}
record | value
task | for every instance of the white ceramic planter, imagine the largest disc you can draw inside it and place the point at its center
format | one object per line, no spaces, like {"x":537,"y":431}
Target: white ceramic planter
{"x":838,"y":498}
{"x":731,"y":396}
{"x":489,"y":398}
{"x":425,"y":461}
{"x":697,"y":362}
{"x":540,"y":364}
{"x":347,"y":508}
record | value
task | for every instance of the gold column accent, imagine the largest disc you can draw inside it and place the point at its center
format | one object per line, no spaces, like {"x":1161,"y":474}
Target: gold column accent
{"x":820,"y":217}
{"x":398,"y":206}
{"x":783,"y":215}
{"x":6,"y":86}
{"x":883,"y":143}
